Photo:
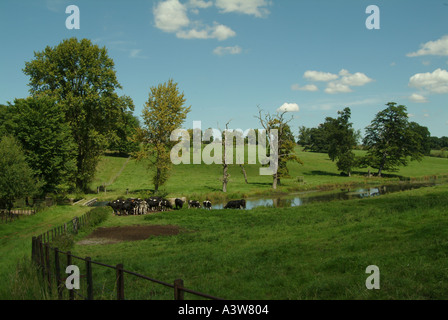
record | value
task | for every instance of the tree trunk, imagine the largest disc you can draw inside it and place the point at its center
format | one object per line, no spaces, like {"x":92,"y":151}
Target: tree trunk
{"x":157,"y":180}
{"x":274,"y":182}
{"x":224,"y":178}
{"x":244,"y":173}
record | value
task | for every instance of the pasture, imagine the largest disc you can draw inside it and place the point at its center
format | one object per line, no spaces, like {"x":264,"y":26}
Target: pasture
{"x":204,"y":181}
{"x":316,"y":251}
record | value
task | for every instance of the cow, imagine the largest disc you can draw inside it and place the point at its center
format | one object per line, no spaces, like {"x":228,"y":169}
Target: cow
{"x":116,"y":206}
{"x":193,"y":204}
{"x":165,"y":205}
{"x":236,"y":204}
{"x":179,"y":204}
{"x":207,"y":204}
{"x":141,"y":207}
{"x":153,"y":203}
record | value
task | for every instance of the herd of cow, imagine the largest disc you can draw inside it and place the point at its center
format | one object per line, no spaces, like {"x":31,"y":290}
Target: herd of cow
{"x":156,"y":204}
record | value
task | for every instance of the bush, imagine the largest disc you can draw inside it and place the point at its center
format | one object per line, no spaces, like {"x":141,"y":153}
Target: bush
{"x":98,"y":215}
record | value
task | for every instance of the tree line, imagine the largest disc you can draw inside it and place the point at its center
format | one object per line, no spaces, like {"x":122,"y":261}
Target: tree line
{"x":391,"y":140}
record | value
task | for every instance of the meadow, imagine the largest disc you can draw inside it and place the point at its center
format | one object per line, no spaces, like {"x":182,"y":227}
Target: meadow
{"x":205,"y":181}
{"x":315,"y":251}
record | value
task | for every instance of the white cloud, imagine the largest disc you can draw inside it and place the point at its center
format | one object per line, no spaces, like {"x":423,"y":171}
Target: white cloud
{"x":353,"y":80}
{"x":435,"y":82}
{"x":426,"y":115}
{"x":256,"y":8}
{"x":221,"y":51}
{"x":435,"y":48}
{"x":289,"y":107}
{"x":417,"y":98}
{"x":171,"y":16}
{"x":222,"y":32}
{"x":337,"y":87}
{"x":337,"y":83}
{"x":200,"y":4}
{"x":410,"y":115}
{"x":218,"y":31}
{"x":320,"y":76}
{"x":308,"y":87}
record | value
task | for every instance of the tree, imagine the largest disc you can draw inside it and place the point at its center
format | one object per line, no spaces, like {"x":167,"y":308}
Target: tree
{"x":124,"y":142}
{"x":423,"y":136}
{"x":390,"y":140}
{"x":39,"y":125}
{"x":286,"y":143}
{"x":81,"y":77}
{"x":341,"y":139}
{"x":16,"y":177}
{"x":163,"y":113}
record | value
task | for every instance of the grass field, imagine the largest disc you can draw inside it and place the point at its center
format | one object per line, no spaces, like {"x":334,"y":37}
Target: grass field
{"x":316,"y":251}
{"x":202,"y":181}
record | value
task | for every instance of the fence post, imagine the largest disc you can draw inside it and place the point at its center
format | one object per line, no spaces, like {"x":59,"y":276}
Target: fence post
{"x":120,"y":282}
{"x":178,"y":292}
{"x":41,"y":257}
{"x":47,"y":265}
{"x":33,"y":250}
{"x":69,"y":263}
{"x":58,"y":273}
{"x":89,"y":278}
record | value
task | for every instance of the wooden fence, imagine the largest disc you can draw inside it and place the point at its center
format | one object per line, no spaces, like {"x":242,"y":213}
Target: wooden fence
{"x":15,"y":214}
{"x":51,"y":261}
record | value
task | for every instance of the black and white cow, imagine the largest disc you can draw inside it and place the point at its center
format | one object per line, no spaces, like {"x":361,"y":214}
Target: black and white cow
{"x":236,"y":204}
{"x":193,"y":204}
{"x":165,"y":205}
{"x":153,"y":203}
{"x":207,"y":204}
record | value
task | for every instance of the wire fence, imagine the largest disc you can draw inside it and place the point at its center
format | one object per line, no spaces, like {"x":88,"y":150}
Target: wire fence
{"x":52,"y":261}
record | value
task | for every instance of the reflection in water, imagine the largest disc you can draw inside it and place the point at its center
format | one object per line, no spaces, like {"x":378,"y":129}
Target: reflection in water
{"x":304,"y":198}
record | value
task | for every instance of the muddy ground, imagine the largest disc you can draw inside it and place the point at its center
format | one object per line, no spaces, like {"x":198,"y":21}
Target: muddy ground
{"x":128,"y":233}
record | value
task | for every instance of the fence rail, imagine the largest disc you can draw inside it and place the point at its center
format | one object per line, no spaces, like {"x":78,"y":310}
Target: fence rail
{"x":49,"y":260}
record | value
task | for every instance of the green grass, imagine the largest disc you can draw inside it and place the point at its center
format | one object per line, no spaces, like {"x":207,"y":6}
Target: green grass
{"x":318,"y":251}
{"x":15,"y":238}
{"x":315,"y":251}
{"x":204,"y":181}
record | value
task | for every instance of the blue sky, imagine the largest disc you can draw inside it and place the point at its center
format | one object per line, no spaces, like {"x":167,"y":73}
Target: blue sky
{"x":230,"y":56}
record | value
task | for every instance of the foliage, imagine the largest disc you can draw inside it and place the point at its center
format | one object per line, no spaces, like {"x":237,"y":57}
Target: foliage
{"x":39,"y":125}
{"x":341,"y":138}
{"x":16,"y":177}
{"x":124,"y":142}
{"x":390,"y":140}
{"x":163,"y":113}
{"x":82,"y":79}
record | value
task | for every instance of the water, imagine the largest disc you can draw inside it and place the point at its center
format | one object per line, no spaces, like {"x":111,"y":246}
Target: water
{"x":302,"y":198}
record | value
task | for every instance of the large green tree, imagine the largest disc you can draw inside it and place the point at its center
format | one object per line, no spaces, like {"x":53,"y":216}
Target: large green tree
{"x":164,"y":112}
{"x":390,"y":140}
{"x":16,"y":177}
{"x":82,"y":79}
{"x":341,"y":139}
{"x":39,"y":125}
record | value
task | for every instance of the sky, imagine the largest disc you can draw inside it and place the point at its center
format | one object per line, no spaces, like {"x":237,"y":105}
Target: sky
{"x":231,"y":58}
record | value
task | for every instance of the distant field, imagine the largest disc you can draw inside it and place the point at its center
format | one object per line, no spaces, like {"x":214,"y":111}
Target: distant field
{"x":318,"y":171}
